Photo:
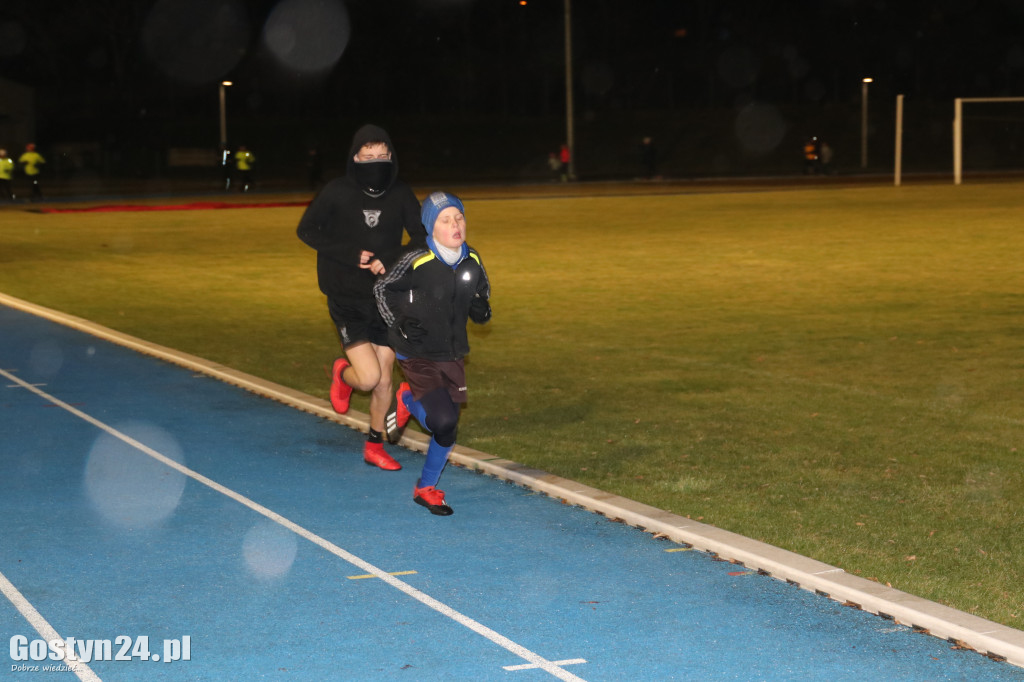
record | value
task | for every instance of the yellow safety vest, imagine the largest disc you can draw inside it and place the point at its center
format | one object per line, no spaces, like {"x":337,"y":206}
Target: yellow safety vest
{"x":32,"y":161}
{"x":244,"y":160}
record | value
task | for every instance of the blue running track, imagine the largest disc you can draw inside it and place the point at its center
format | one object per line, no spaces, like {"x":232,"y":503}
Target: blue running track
{"x":143,"y":500}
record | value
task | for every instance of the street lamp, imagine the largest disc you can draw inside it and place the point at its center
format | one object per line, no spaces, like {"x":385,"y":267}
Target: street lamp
{"x":864,"y":121}
{"x":223,"y":115}
{"x":570,"y":129}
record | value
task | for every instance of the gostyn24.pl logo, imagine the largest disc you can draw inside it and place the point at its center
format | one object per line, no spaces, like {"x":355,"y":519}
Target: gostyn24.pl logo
{"x":121,"y":648}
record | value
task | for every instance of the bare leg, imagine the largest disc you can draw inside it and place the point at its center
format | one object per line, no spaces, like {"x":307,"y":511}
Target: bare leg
{"x":380,"y":399}
{"x":363,"y":374}
{"x":370,"y":370}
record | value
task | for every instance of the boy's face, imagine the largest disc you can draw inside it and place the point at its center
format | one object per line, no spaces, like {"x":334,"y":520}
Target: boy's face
{"x":373,"y":152}
{"x":450,"y":228}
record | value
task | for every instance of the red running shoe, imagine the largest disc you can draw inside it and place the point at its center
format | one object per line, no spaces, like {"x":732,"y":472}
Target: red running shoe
{"x":398,"y":415}
{"x":374,"y":455}
{"x":340,"y":391}
{"x":433,"y":499}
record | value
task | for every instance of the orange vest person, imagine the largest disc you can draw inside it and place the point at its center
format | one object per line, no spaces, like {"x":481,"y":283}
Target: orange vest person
{"x":812,"y":160}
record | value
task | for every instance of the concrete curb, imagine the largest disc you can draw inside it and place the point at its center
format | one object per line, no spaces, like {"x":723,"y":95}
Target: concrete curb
{"x":961,"y":629}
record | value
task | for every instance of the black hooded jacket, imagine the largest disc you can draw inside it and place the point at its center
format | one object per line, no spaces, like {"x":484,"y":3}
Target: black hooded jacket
{"x":346,"y":218}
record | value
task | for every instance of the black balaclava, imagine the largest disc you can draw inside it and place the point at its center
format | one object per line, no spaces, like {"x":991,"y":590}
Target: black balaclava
{"x":372,"y":177}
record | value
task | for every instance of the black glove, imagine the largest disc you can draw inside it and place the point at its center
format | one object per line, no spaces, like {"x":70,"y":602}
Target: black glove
{"x":411,"y":330}
{"x":479,"y":310}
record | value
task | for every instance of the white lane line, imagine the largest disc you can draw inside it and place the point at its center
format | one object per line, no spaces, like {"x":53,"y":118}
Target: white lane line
{"x":443,"y":609}
{"x":44,"y":628}
{"x":528,"y":666}
{"x":368,"y":575}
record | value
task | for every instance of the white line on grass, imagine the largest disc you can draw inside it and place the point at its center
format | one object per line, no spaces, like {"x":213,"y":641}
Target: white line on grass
{"x":422,"y":597}
{"x":43,"y":627}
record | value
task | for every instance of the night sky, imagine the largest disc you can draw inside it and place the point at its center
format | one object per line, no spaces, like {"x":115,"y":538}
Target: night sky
{"x":100,"y":67}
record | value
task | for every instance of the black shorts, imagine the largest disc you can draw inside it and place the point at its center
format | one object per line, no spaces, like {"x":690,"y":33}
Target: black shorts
{"x":358,"y":321}
{"x":425,"y":376}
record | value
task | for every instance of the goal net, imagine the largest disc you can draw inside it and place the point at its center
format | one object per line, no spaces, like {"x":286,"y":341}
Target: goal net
{"x":990,"y":137}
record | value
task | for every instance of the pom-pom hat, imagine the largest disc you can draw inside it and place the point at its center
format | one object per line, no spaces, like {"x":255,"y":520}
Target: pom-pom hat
{"x":434,"y":204}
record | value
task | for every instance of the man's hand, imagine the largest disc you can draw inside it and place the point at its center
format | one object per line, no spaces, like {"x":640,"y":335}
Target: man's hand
{"x":368,"y":262}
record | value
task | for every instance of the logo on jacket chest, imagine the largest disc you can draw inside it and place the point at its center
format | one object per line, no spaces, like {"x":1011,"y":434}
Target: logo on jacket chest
{"x":372,"y":217}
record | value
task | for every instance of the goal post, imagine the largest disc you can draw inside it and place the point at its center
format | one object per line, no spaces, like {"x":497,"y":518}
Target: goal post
{"x":958,"y":130}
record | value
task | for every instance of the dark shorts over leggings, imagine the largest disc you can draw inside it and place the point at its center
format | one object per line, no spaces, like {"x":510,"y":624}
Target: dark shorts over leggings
{"x":425,"y":376}
{"x":440,"y":387}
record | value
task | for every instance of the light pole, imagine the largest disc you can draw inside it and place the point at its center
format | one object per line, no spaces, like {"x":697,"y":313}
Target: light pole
{"x":864,"y":121}
{"x":570,"y":132}
{"x":223,"y":115}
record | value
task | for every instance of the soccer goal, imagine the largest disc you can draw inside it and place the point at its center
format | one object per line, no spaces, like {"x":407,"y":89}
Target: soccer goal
{"x":958,"y":129}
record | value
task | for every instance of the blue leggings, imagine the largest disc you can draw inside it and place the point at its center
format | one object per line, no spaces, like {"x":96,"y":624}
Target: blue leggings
{"x":439,"y":414}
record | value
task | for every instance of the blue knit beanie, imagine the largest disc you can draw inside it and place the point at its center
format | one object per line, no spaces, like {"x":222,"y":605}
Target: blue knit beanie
{"x":434,"y":204}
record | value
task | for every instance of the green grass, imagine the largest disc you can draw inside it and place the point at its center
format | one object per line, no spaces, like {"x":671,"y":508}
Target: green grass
{"x":834,"y":371}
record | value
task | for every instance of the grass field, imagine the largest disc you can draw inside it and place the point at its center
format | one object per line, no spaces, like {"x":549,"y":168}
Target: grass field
{"x":834,"y":371}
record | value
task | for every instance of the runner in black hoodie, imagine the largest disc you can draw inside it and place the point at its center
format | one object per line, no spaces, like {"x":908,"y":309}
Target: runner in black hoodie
{"x":355,"y":224}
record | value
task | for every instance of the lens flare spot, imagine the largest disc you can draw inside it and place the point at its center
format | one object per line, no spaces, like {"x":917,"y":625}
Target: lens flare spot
{"x":196,"y":41}
{"x":760,"y":128}
{"x":269,"y":550}
{"x":307,"y":35}
{"x":126,"y":486}
{"x":46,"y":358}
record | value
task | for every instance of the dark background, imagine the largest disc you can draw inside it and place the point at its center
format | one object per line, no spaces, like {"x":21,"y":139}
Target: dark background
{"x":475,"y":89}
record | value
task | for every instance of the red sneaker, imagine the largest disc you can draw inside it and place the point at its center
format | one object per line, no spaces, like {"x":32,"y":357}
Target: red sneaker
{"x":398,"y":415}
{"x":433,"y":499}
{"x":340,"y":391}
{"x":374,"y":455}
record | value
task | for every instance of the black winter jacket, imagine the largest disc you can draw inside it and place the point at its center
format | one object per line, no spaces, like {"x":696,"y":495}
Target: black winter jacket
{"x":441,"y":298}
{"x":345,"y":219}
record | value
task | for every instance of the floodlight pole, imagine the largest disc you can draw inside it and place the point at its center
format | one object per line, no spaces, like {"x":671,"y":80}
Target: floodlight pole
{"x":898,"y":173}
{"x":864,"y":121}
{"x":570,"y":135}
{"x":223,"y":115}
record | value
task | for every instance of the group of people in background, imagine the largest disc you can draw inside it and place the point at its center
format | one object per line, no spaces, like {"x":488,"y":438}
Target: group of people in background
{"x":238,"y":167}
{"x":392,"y":301}
{"x":30,"y":163}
